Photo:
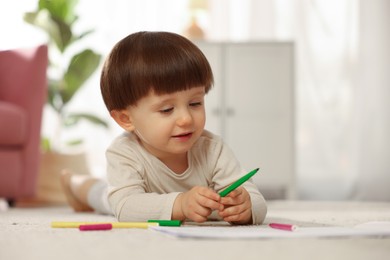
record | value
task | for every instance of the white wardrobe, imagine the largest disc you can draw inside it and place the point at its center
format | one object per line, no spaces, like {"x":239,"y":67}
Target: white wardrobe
{"x":252,"y":107}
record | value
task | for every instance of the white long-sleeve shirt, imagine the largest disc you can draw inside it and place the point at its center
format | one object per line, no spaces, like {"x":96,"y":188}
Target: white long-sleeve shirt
{"x":141,"y":187}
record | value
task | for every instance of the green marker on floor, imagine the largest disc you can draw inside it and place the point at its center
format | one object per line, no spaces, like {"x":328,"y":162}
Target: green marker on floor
{"x":169,"y":223}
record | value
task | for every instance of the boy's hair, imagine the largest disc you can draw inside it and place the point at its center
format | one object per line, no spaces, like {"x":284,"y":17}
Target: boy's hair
{"x":162,"y":62}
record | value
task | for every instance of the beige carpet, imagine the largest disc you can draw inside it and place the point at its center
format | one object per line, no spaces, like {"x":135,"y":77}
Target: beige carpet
{"x":25,"y":233}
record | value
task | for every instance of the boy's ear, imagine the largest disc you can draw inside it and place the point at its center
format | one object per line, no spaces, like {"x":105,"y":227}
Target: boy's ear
{"x":123,"y":119}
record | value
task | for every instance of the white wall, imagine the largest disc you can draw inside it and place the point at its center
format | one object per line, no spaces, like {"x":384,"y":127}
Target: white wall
{"x":373,"y":106}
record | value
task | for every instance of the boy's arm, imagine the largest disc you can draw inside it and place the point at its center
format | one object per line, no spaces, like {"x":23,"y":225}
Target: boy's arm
{"x":227,"y":170}
{"x":133,"y":204}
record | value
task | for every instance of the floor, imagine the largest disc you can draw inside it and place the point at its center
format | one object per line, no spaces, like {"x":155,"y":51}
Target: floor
{"x":26,"y":234}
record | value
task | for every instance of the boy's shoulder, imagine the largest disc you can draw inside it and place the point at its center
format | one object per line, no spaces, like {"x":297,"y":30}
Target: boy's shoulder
{"x":209,"y":140}
{"x":212,"y":148}
{"x":124,"y":140}
{"x":207,"y":135}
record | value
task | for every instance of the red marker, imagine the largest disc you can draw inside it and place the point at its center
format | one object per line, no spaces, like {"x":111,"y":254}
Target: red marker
{"x":286,"y":227}
{"x":93,"y":227}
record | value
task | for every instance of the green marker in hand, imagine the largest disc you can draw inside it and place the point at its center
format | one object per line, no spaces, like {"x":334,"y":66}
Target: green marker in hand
{"x":237,"y":183}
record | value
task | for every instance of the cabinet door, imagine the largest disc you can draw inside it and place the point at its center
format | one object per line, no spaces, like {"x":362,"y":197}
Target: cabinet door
{"x":214,"y":100}
{"x":260,"y":110}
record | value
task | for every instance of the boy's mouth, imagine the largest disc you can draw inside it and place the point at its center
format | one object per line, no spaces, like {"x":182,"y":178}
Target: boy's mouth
{"x":182,"y":135}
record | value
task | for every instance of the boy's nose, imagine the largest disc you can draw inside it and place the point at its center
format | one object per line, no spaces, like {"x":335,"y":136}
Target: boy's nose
{"x":184,"y":118}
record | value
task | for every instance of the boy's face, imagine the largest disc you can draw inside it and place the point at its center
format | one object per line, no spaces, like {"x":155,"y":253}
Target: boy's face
{"x":169,"y":124}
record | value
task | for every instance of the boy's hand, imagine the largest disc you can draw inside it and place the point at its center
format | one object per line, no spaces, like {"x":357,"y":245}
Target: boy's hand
{"x":237,"y":207}
{"x":196,"y":204}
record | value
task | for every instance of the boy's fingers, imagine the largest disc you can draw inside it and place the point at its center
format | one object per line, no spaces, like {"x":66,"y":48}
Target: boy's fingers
{"x":206,"y":192}
{"x":237,"y":192}
{"x":237,"y":217}
{"x":234,"y":207}
{"x":213,"y":204}
{"x":198,"y":217}
{"x":227,"y":201}
{"x":229,"y":211}
{"x":202,"y":211}
{"x":234,"y":194}
{"x":209,"y":203}
{"x":232,"y":200}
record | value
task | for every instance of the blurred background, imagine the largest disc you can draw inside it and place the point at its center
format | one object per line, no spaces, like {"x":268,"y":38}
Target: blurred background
{"x":341,"y":129}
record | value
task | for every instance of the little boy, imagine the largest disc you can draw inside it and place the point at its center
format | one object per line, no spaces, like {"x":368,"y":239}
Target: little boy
{"x":165,"y":165}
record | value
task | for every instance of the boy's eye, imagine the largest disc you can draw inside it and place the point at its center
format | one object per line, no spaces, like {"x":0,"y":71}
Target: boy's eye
{"x":195,"y":104}
{"x":166,"y":110}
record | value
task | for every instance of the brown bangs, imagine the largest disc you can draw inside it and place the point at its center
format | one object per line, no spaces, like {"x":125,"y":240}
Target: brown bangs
{"x":159,"y":61}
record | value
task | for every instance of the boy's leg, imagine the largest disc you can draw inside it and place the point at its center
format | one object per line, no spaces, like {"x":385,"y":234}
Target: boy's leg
{"x":76,"y":189}
{"x":85,"y":193}
{"x":98,"y":198}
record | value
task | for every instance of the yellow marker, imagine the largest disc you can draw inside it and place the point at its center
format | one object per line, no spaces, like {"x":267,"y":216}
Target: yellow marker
{"x":60,"y":224}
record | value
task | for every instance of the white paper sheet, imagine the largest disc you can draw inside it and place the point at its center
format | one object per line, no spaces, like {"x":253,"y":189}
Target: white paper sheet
{"x":373,"y":229}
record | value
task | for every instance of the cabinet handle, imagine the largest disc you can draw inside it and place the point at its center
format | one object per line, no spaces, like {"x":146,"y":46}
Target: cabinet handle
{"x":216,"y":111}
{"x":228,"y":112}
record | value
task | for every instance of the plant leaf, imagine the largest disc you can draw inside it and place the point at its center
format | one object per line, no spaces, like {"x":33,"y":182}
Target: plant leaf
{"x":62,"y":35}
{"x":55,"y":94}
{"x":60,"y":9}
{"x":82,"y":35}
{"x":59,"y":32}
{"x":81,"y":67}
{"x":74,"y":142}
{"x":45,"y":144}
{"x":74,"y":118}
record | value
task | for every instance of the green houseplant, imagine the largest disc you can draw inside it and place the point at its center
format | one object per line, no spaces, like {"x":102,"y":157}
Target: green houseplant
{"x":68,"y":70}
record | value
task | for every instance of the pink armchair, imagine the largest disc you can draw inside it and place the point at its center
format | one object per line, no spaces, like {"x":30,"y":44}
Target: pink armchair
{"x":22,"y":97}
